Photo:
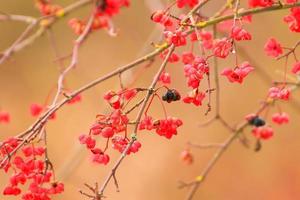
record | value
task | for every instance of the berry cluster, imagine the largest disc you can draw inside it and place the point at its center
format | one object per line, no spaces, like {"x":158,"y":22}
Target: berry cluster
{"x":194,"y":97}
{"x":280,"y":118}
{"x":46,"y":7}
{"x":111,"y":127}
{"x":293,"y":19}
{"x":162,"y":17}
{"x":262,"y":132}
{"x":104,"y":11}
{"x":120,"y":143}
{"x":238,"y":33}
{"x":279,"y":93}
{"x":28,"y":168}
{"x":239,"y":73}
{"x":163,"y":127}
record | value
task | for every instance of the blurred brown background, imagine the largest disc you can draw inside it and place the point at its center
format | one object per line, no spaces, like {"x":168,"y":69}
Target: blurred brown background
{"x":153,"y":173}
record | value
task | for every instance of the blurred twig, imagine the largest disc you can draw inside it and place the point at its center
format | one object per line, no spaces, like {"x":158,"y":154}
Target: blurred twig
{"x":25,"y":38}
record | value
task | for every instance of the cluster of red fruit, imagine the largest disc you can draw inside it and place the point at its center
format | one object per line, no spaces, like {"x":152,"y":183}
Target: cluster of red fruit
{"x":28,"y":168}
{"x":46,"y":7}
{"x":105,"y":10}
{"x":197,"y":67}
{"x":263,"y":131}
{"x":111,"y":127}
{"x":163,"y":127}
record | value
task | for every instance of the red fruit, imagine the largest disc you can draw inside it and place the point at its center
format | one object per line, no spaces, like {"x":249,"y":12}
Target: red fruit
{"x":168,"y":127}
{"x":177,"y":38}
{"x":238,"y":34}
{"x":56,"y":188}
{"x":146,"y":123}
{"x":10,"y":190}
{"x":162,"y":18}
{"x":239,"y":73}
{"x":135,"y":146}
{"x":165,"y":78}
{"x":188,"y":57}
{"x":129,"y":94}
{"x":172,"y":59}
{"x":36,"y":109}
{"x":280,"y":118}
{"x":4,"y":117}
{"x":87,"y":140}
{"x":293,"y":19}
{"x":279,"y":93}
{"x":100,"y":158}
{"x":263,"y":132}
{"x":107,"y":132}
{"x":187,"y":157}
{"x":194,"y":97}
{"x":296,"y":68}
{"x":222,"y":47}
{"x":90,"y":142}
{"x":273,"y":48}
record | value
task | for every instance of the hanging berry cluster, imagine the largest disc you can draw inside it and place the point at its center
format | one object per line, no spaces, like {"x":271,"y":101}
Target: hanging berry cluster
{"x":112,"y":127}
{"x":28,"y":169}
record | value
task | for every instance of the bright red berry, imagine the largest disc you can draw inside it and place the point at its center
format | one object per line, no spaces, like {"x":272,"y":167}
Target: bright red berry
{"x":4,"y":117}
{"x":296,"y":68}
{"x":222,"y":47}
{"x":280,"y":118}
{"x":239,"y":73}
{"x":273,"y":48}
{"x":36,"y":109}
{"x":263,"y":132}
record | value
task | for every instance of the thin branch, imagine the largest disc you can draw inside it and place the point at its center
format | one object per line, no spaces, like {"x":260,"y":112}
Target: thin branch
{"x":278,"y":6}
{"x":206,"y":146}
{"x":18,"y":18}
{"x":74,"y":59}
{"x":24,"y":39}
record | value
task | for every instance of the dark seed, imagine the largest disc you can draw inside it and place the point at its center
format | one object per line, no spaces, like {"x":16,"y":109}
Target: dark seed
{"x":164,"y":98}
{"x":170,"y":95}
{"x":176,"y":95}
{"x":257,"y":121}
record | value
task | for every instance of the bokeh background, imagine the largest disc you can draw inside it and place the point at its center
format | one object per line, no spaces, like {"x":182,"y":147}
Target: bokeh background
{"x":154,"y":172}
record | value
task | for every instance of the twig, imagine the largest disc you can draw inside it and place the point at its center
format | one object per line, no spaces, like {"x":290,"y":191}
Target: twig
{"x":206,"y":146}
{"x":74,"y":59}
